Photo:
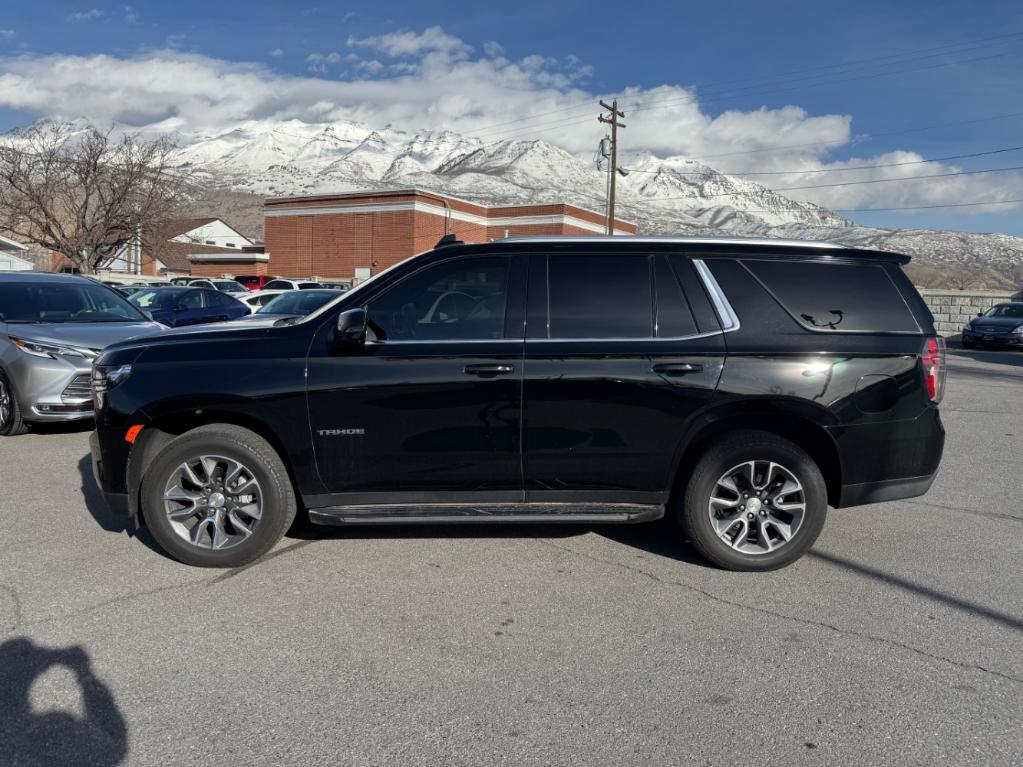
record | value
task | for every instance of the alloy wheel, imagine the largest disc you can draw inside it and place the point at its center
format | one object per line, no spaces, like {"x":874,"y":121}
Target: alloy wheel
{"x":213,"y":502}
{"x":757,"y":507}
{"x":5,"y":404}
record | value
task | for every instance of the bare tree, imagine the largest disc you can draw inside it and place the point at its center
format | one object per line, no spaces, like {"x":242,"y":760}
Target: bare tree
{"x":961,"y":279}
{"x":87,"y":194}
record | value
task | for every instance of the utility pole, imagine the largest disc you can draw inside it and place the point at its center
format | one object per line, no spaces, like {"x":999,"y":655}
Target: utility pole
{"x":612,"y":120}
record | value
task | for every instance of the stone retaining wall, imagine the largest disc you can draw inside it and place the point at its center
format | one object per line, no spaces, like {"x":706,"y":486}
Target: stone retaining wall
{"x":953,"y":308}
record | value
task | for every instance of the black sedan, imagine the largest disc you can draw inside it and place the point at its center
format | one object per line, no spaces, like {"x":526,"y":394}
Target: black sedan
{"x":177,"y":306}
{"x":1001,"y":325}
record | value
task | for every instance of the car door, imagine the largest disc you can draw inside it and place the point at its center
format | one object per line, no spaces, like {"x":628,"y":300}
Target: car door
{"x":621,"y":350}
{"x":431,"y":404}
{"x":190,"y":309}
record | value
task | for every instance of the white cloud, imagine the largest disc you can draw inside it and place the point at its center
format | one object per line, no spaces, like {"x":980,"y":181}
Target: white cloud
{"x":131,"y":15}
{"x":408,"y":43}
{"x":433,"y":80}
{"x":277,"y":52}
{"x":90,"y":15}
{"x":7,"y":34}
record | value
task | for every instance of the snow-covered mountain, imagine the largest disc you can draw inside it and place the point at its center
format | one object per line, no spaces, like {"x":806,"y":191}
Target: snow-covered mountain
{"x":661,"y":195}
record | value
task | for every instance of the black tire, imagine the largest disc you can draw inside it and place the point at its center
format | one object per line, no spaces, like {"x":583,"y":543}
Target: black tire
{"x":278,"y":495}
{"x":12,"y":424}
{"x":692,"y":502}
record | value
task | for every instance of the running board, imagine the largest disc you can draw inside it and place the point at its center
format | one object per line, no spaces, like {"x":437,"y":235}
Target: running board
{"x":486,"y":513}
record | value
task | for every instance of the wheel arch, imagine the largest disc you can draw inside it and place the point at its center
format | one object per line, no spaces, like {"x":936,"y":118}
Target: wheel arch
{"x":794,"y":424}
{"x":160,"y":431}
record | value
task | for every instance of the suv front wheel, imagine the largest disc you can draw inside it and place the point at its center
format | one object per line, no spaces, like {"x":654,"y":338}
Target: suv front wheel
{"x":754,"y":501}
{"x":217,"y":496}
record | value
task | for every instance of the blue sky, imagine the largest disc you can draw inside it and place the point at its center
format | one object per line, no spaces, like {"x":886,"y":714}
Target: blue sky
{"x":510,"y":58}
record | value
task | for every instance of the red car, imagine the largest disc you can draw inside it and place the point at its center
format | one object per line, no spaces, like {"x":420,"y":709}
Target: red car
{"x":255,"y":281}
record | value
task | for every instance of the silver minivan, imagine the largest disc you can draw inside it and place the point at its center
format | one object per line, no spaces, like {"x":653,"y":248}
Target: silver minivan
{"x":52,"y":326}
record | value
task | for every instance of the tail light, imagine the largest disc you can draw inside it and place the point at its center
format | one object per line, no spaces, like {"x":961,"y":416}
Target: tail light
{"x":933,"y":359}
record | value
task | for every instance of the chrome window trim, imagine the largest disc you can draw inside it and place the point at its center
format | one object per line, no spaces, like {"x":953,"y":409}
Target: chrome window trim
{"x":729,"y":319}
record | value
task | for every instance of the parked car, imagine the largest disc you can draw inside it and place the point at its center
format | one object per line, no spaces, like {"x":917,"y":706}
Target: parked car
{"x":335,"y":285}
{"x":737,"y":386}
{"x":261,"y":298}
{"x":1001,"y":325}
{"x":52,"y":327}
{"x":280,"y":284}
{"x":293,"y":303}
{"x":176,"y":306}
{"x":231,"y":287}
{"x":254,"y":281}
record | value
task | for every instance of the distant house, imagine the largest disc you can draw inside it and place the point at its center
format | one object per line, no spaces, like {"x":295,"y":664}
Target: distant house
{"x":12,"y":256}
{"x":165,"y":254}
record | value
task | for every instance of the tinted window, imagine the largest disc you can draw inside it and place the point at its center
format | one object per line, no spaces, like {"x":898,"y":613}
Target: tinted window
{"x":674,"y":317}
{"x":83,"y":301}
{"x":219,"y":299}
{"x":1014,"y":311}
{"x":229,"y":285}
{"x":463,"y":299}
{"x":599,"y":297}
{"x":278,"y":285}
{"x":162,"y":298}
{"x":298,"y":302}
{"x":857,"y":297}
{"x":191,"y":299}
{"x":309,"y":285}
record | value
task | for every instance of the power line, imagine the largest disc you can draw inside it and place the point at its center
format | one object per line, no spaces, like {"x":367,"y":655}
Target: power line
{"x":827,"y":170}
{"x":586,"y":104}
{"x":846,"y":183}
{"x":712,"y":98}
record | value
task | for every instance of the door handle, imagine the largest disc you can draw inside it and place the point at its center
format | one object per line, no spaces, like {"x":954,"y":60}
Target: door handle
{"x":488,"y":370}
{"x":677,"y":368}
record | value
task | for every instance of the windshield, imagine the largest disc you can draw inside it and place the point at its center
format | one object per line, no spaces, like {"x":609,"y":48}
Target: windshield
{"x":83,"y":301}
{"x":297,"y":302}
{"x":228,"y":285}
{"x":1006,"y":310}
{"x":162,"y":298}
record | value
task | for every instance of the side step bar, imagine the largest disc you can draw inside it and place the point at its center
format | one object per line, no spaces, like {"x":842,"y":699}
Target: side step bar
{"x":486,"y":513}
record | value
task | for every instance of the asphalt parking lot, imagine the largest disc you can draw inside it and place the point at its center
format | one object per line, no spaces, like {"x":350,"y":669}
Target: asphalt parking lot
{"x":898,"y":640}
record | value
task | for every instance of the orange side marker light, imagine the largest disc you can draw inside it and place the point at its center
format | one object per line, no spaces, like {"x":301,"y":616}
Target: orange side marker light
{"x":133,"y":433}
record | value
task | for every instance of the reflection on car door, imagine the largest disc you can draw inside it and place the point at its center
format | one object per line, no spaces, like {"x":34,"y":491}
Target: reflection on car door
{"x":618,"y":355}
{"x":431,"y":404}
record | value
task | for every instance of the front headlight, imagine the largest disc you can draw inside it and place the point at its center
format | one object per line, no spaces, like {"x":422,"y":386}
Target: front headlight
{"x":1018,"y":330}
{"x":51,"y":351}
{"x":106,"y":377}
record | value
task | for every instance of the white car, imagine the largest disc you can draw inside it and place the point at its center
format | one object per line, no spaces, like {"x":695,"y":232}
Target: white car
{"x":281,"y":284}
{"x":231,"y":287}
{"x":256,"y":299}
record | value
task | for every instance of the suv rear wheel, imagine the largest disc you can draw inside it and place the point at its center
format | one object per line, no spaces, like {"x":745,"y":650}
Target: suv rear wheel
{"x":217,"y":496}
{"x":754,"y":501}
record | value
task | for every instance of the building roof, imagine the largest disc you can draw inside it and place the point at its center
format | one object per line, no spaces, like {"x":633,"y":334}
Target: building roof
{"x":174,"y":255}
{"x":8,"y":244}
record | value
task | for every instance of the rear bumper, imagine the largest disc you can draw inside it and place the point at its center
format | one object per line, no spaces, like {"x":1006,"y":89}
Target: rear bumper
{"x":888,"y":490}
{"x":888,"y":460}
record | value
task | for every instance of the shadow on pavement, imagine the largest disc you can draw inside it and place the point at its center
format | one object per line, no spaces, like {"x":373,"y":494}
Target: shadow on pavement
{"x":66,"y":427}
{"x":1010,"y":357}
{"x":108,"y":520}
{"x":962,"y":605}
{"x":30,"y":737}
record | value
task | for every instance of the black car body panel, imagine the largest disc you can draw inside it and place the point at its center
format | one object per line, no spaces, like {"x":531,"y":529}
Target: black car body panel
{"x":526,"y":420}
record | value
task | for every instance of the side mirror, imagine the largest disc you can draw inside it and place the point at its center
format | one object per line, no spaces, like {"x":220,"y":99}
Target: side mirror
{"x":980,"y":314}
{"x":351,"y":327}
{"x":179,"y":308}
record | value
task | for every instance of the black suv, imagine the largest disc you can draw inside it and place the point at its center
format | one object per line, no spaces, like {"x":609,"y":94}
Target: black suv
{"x":738,"y":386}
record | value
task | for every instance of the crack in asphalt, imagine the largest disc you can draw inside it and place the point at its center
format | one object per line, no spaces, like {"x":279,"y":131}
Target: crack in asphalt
{"x":763,"y":610}
{"x":992,"y":514}
{"x":17,"y":606}
{"x":148,"y":592}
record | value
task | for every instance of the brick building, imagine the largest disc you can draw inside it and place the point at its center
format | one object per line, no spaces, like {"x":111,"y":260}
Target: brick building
{"x":358,"y":234}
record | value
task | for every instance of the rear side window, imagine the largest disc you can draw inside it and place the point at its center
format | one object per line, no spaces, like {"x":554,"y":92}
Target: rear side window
{"x":599,"y":297}
{"x":836,"y":297}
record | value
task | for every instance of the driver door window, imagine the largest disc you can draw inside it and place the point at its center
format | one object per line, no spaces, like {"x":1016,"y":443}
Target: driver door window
{"x":460,"y":300}
{"x":191,"y":300}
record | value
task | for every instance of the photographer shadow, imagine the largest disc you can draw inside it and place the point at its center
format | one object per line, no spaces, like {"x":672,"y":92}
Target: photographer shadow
{"x":27,"y":737}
